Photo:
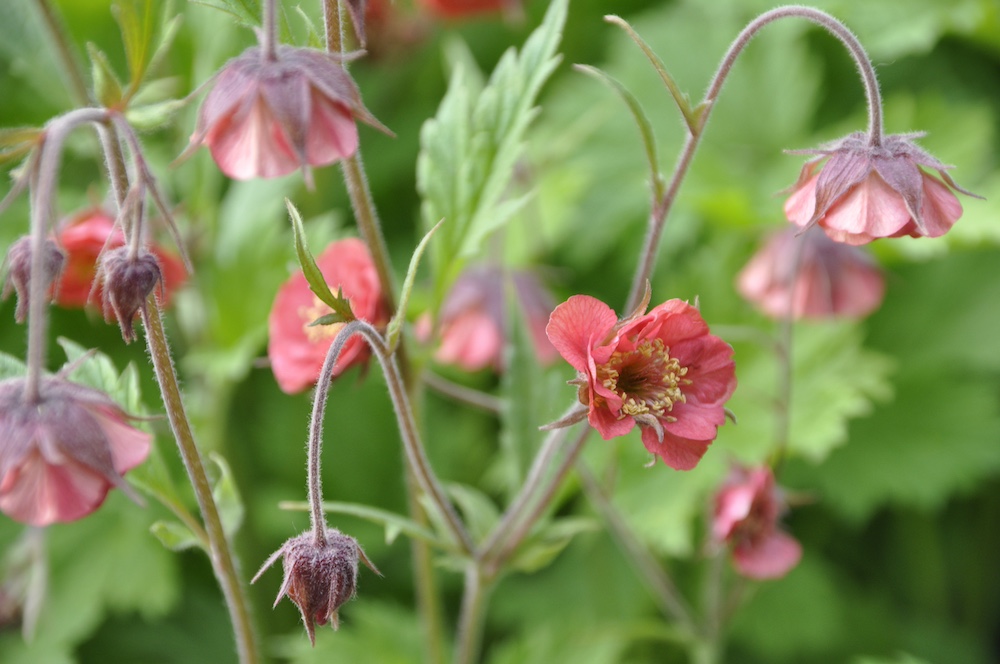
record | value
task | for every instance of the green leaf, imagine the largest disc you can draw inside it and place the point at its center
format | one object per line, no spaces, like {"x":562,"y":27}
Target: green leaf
{"x":174,"y":535}
{"x":99,"y":372}
{"x":246,"y":12}
{"x":107,"y":87}
{"x":314,"y":277}
{"x":393,"y":523}
{"x":470,"y":148}
{"x":479,"y":512}
{"x":153,"y":116}
{"x":135,"y":19}
{"x":227,"y":496}
{"x":396,"y":324}
{"x":11,"y":367}
{"x":542,"y":547}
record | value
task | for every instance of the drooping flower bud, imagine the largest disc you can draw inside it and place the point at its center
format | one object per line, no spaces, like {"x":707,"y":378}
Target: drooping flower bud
{"x":268,"y":117}
{"x":19,"y":271}
{"x":128,"y":282}
{"x":319,"y":576}
{"x":865,"y":192}
{"x":826,"y":280}
{"x":747,"y":510}
{"x":61,"y":453}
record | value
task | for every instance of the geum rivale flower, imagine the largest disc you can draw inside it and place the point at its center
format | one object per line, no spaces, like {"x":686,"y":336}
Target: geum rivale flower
{"x":747,"y":509}
{"x":864,"y":192}
{"x":662,"y":371}
{"x":269,"y":117}
{"x":297,"y":348}
{"x":61,"y":453}
{"x":813,"y":275}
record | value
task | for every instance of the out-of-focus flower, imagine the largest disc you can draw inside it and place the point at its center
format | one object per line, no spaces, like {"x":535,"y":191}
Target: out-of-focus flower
{"x":832,"y":279}
{"x":19,"y":271}
{"x":296,"y":349}
{"x":61,"y":453}
{"x":473,"y":321}
{"x":267,"y":118}
{"x":84,"y":237}
{"x":747,"y":510}
{"x":454,"y":9}
{"x":662,"y":371}
{"x":865,"y":192}
{"x":320,"y":576}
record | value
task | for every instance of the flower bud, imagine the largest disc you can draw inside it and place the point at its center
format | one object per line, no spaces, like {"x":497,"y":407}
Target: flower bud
{"x":62,"y":452}
{"x":320,"y":576}
{"x":19,"y":271}
{"x":128,"y":281}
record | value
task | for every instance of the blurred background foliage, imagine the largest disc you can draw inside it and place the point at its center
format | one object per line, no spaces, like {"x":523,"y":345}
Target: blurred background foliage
{"x":895,"y":449}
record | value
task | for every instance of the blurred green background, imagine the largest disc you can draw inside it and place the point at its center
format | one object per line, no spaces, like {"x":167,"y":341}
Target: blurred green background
{"x":896,"y":425}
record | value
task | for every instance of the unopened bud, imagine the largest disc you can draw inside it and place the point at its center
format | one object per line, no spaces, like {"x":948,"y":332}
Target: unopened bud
{"x":19,"y":271}
{"x":128,"y":281}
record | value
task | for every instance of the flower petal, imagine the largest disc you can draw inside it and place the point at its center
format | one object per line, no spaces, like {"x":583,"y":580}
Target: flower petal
{"x":769,"y":558}
{"x":677,"y":452}
{"x":577,"y":325}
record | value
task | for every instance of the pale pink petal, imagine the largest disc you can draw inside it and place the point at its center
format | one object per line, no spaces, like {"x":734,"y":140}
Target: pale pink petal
{"x":251,"y":144}
{"x":732,"y":505}
{"x":39,"y":493}
{"x":769,"y":558}
{"x":678,"y":453}
{"x":472,"y":340}
{"x":576,"y":324}
{"x":871,"y":210}
{"x":941,"y":207}
{"x":129,"y":446}
{"x":332,"y":133}
{"x":801,"y":205}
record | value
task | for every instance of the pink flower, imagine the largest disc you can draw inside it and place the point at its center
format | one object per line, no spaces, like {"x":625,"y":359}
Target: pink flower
{"x":473,"y":320}
{"x":297,"y":350}
{"x":61,"y":454}
{"x":267,"y":118}
{"x":662,"y":371}
{"x":865,"y":192}
{"x":747,"y":509}
{"x":832,"y":279}
{"x":84,"y":237}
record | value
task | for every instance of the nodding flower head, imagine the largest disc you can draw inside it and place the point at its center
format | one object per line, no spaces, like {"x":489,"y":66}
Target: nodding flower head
{"x":747,"y":510}
{"x":320,"y":575}
{"x":662,"y":371}
{"x":61,"y":453}
{"x":815,"y":276}
{"x":269,"y":117}
{"x":19,"y":271}
{"x":864,"y":192}
{"x":128,"y":280}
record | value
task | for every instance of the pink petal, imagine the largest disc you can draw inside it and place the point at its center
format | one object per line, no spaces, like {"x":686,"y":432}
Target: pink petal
{"x":39,"y":493}
{"x":129,"y":446}
{"x":732,"y":505}
{"x":332,"y":133}
{"x":678,"y":453}
{"x":696,"y":421}
{"x":871,"y":210}
{"x":472,"y":340}
{"x":941,"y":207}
{"x":801,"y":204}
{"x":578,"y":324}
{"x":608,"y":423}
{"x":251,"y":144}
{"x":769,"y":558}
{"x":711,"y":369}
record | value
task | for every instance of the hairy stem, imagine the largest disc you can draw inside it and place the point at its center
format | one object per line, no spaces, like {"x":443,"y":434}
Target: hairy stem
{"x":472,"y":618}
{"x":660,"y":211}
{"x":269,"y":31}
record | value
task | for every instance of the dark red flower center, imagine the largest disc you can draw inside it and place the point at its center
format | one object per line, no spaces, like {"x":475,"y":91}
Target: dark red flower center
{"x":647,"y":379}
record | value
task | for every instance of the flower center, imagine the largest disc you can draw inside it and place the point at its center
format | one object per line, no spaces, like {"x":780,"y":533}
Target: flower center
{"x":317,"y":333}
{"x":647,"y":379}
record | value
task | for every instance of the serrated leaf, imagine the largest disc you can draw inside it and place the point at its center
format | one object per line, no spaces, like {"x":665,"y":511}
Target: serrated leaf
{"x":314,"y":277}
{"x":174,"y":535}
{"x":227,"y":496}
{"x":11,"y":367}
{"x":542,"y":547}
{"x":107,"y":87}
{"x":153,"y":116}
{"x":99,"y":372}
{"x":470,"y":148}
{"x":393,"y":523}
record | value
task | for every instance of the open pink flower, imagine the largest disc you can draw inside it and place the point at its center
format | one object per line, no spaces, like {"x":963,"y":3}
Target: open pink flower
{"x":84,"y":237}
{"x":865,"y":192}
{"x":267,"y":118}
{"x":833,"y":279}
{"x":474,"y":324}
{"x":297,"y":350}
{"x":61,"y":454}
{"x":747,"y":510}
{"x":662,"y":371}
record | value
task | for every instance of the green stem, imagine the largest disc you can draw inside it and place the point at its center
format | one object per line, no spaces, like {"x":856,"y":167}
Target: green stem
{"x":220,"y":553}
{"x":472,"y":619}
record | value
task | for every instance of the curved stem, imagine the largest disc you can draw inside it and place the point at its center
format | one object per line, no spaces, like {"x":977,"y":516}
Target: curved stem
{"x":660,"y":212}
{"x":42,"y":210}
{"x":223,"y":560}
